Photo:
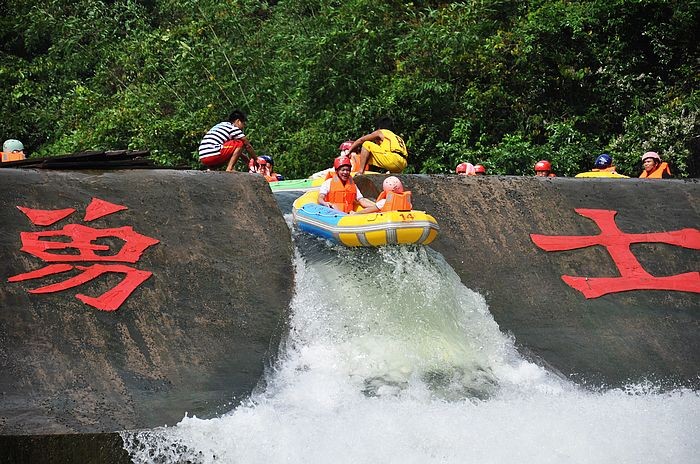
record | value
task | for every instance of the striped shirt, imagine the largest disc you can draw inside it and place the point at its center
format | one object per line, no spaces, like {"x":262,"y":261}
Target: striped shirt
{"x":216,"y":137}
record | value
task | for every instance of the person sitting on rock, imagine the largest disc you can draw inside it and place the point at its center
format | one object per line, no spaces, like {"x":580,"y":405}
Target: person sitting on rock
{"x":382,"y":150}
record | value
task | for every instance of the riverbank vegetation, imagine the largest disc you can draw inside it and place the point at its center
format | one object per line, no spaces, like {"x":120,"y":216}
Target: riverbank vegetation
{"x":503,"y":83}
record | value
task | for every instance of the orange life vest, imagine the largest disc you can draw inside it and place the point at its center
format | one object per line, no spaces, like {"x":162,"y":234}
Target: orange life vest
{"x":271,"y":178}
{"x":342,"y":196}
{"x":12,"y":156}
{"x":396,"y":201}
{"x":657,"y":173}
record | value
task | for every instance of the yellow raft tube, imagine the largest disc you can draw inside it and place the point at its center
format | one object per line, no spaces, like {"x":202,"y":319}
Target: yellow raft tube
{"x":374,"y":229}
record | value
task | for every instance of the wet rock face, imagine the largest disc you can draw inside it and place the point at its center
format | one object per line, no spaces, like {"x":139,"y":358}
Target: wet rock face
{"x":485,"y":234}
{"x":193,"y":337}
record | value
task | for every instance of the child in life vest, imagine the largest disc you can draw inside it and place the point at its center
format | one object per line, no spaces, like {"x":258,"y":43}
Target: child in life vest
{"x":392,"y":198}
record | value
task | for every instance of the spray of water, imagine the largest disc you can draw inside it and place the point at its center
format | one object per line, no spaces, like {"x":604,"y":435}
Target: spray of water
{"x":390,"y":359}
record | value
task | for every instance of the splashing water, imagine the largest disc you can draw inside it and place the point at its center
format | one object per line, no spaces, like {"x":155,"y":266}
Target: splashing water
{"x":390,"y":359}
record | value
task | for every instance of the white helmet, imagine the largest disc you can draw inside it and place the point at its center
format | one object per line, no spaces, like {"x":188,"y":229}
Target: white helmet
{"x":11,"y":145}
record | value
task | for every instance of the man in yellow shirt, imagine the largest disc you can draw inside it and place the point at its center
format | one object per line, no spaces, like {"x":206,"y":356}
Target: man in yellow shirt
{"x":382,"y":149}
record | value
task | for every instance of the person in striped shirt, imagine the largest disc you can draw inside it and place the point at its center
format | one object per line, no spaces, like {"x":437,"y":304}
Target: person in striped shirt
{"x":225,"y":142}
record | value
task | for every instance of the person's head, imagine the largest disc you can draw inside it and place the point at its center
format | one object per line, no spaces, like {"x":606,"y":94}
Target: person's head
{"x":238,"y":118}
{"x":264,"y":165}
{"x":543,"y":168}
{"x":385,"y":122}
{"x":392,"y":184}
{"x":650,"y":160}
{"x":342,"y":166}
{"x":603,"y":161}
{"x":268,"y":159}
{"x":12,"y":146}
{"x":465,"y":169}
{"x":479,"y":170}
{"x":345,"y":148}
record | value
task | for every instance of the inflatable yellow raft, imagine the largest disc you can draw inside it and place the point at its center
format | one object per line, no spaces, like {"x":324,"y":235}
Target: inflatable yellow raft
{"x":374,"y":229}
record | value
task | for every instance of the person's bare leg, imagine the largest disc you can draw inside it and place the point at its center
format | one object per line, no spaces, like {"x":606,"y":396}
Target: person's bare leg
{"x":234,"y":158}
{"x":364,"y":156}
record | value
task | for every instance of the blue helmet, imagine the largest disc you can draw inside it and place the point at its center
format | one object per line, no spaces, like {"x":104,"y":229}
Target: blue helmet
{"x":267,"y":158}
{"x":603,"y":161}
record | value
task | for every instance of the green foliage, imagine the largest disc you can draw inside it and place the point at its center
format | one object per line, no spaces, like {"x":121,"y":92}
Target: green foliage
{"x":503,"y":83}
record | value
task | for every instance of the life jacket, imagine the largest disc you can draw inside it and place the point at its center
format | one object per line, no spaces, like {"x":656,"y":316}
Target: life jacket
{"x":12,"y":156}
{"x":271,"y":178}
{"x":396,"y":201}
{"x":342,"y":196}
{"x":657,"y":173}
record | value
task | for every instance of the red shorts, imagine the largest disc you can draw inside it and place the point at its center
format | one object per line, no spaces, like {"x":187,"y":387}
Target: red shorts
{"x":224,"y":155}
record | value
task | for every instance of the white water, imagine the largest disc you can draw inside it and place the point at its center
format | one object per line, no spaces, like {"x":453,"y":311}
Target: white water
{"x":390,"y":359}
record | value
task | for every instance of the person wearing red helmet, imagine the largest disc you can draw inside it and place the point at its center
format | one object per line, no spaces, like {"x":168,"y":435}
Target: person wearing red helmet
{"x":340,"y":192}
{"x":479,"y":170}
{"x":382,"y":149}
{"x":543,"y":168}
{"x":654,"y":168}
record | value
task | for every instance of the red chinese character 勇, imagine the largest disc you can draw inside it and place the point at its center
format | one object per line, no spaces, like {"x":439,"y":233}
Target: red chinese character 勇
{"x":83,"y":247}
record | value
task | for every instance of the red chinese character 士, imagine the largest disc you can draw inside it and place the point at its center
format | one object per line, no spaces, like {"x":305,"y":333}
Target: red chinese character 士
{"x":632,"y":275}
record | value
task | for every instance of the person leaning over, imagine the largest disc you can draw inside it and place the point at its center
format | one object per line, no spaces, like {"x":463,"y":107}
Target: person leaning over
{"x":654,"y":168}
{"x":224,"y":143}
{"x":382,"y":149}
{"x":340,"y":192}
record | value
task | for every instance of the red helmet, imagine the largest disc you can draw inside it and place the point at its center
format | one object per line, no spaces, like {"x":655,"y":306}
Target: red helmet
{"x":341,"y":161}
{"x":543,"y":165}
{"x":479,"y":169}
{"x":345,"y":145}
